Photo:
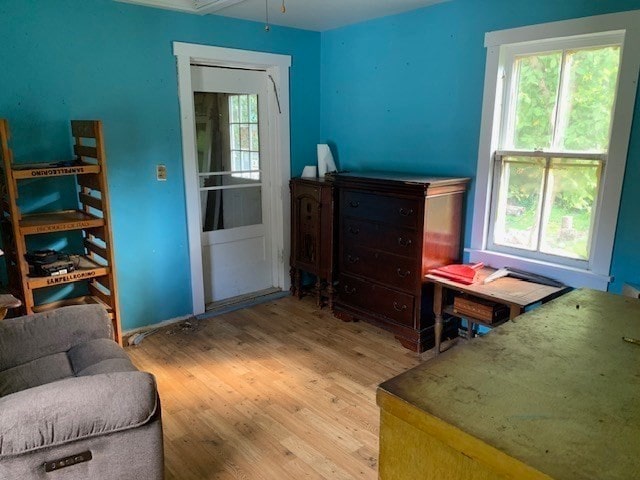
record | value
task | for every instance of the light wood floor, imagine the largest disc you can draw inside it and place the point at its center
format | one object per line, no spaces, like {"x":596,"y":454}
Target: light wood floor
{"x":278,"y":391}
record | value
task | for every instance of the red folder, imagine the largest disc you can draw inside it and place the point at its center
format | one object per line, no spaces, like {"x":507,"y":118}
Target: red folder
{"x":466,"y":274}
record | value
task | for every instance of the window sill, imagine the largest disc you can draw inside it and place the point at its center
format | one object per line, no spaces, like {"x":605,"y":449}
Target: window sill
{"x":574,"y":277}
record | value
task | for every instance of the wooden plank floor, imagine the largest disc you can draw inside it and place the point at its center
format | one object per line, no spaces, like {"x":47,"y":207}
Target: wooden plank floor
{"x":281,"y":390}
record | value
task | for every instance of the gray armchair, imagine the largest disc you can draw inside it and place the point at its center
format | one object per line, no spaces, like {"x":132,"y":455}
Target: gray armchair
{"x":72,"y":405}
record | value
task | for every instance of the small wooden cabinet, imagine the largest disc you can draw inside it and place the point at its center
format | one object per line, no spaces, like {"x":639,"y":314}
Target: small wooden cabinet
{"x":392,"y":229}
{"x":312,"y":236}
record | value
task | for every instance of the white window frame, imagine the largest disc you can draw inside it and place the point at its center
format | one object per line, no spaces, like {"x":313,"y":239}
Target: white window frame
{"x":596,"y":273}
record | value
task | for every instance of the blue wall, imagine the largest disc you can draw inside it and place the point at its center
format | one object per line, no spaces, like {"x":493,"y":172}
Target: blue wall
{"x":405,"y":93}
{"x":401,"y":93}
{"x":98,"y":59}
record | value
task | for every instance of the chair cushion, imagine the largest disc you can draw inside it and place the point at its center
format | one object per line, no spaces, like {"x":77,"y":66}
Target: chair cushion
{"x":75,"y":408}
{"x":89,"y":358}
{"x":30,"y":337}
{"x":99,"y":356}
{"x":37,"y":372}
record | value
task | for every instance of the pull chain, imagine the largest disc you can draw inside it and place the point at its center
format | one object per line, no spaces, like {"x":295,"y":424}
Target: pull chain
{"x":283,"y":9}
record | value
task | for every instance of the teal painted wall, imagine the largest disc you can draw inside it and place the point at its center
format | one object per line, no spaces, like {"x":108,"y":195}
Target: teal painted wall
{"x":405,"y":93}
{"x":98,"y":59}
{"x":402,"y":93}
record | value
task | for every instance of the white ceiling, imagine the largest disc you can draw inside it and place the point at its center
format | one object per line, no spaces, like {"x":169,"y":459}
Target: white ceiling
{"x":318,"y":15}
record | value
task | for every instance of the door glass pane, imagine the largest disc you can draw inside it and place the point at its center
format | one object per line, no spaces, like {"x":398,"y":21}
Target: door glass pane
{"x":228,"y":160}
{"x":234,"y":108}
{"x":519,"y":202}
{"x":245,"y":144}
{"x":231,"y":208}
{"x":244,"y":108}
{"x":253,"y":108}
{"x":588,"y":103}
{"x":572,"y":188}
{"x":537,"y":80}
{"x":235,"y":137}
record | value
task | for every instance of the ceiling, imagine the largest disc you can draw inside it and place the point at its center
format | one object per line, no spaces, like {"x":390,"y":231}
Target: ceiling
{"x":318,"y":15}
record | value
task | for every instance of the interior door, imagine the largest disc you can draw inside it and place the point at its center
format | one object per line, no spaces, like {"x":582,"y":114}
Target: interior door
{"x":231,"y":116}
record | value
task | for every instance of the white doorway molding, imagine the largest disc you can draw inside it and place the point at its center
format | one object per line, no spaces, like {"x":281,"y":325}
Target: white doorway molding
{"x":277,"y":66}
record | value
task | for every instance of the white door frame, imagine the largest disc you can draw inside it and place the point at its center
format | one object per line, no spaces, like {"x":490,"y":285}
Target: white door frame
{"x":277,"y":66}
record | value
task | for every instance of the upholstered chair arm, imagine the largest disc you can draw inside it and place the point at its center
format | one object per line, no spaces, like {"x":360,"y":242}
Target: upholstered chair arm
{"x":73,"y":409}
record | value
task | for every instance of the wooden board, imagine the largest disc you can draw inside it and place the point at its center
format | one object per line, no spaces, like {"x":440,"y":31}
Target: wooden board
{"x":503,"y":290}
{"x":557,"y":390}
{"x":43,"y":170}
{"x":58,"y":221}
{"x":85,"y":128}
{"x":83,"y":300}
{"x":87,"y":270}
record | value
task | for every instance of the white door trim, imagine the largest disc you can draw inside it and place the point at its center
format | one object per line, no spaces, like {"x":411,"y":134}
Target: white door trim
{"x":277,"y":66}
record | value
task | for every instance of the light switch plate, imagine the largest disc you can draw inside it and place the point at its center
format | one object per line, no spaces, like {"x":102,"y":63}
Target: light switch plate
{"x":161,"y":173}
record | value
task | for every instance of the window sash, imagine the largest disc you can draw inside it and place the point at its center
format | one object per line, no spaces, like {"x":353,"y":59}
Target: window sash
{"x":536,"y":253}
{"x":510,"y":54}
{"x":625,"y":26}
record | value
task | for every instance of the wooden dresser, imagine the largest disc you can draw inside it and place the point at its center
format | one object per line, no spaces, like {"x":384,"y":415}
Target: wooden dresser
{"x":312,"y":235}
{"x":392,"y":228}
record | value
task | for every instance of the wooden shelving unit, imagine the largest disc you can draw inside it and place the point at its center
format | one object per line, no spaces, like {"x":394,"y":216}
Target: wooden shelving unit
{"x":94,"y":265}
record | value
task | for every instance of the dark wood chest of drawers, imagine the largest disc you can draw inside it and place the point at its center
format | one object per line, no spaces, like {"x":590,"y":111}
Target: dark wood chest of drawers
{"x":392,"y":228}
{"x":312,"y":235}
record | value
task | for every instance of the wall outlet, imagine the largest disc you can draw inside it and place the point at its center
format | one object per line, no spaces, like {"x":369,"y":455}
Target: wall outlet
{"x":161,"y":173}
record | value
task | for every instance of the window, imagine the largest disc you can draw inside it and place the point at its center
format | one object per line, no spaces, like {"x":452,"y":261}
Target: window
{"x":556,"y":121}
{"x":243,"y":132}
{"x":555,"y":126}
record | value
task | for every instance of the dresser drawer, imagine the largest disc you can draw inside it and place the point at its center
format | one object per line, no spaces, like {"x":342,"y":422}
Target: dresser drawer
{"x":376,"y":236}
{"x":399,"y":211}
{"x":383,"y":302}
{"x":393,"y":270}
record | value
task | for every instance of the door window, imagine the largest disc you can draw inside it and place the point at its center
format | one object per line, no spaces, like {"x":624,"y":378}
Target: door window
{"x":228,"y":160}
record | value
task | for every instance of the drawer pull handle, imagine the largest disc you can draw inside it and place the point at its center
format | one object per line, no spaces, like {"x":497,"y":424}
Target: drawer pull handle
{"x":398,"y":307}
{"x":354,"y":230}
{"x":403,"y":273}
{"x":404,"y":242}
{"x":405,"y":213}
{"x":348,"y":290}
{"x":352,"y":259}
{"x":354,"y":204}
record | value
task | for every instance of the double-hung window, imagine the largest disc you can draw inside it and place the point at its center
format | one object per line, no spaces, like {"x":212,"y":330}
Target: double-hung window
{"x":556,"y":122}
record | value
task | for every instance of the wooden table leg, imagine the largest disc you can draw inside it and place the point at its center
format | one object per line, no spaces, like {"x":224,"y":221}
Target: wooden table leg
{"x":292,"y":274}
{"x":330,"y":293}
{"x":319,"y":292}
{"x":469,"y":329}
{"x":299,"y":283}
{"x":437,"y":310}
{"x":514,"y":311}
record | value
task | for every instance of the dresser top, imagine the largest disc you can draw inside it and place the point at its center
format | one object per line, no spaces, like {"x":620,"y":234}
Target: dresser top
{"x":400,"y":177}
{"x":557,"y":389}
